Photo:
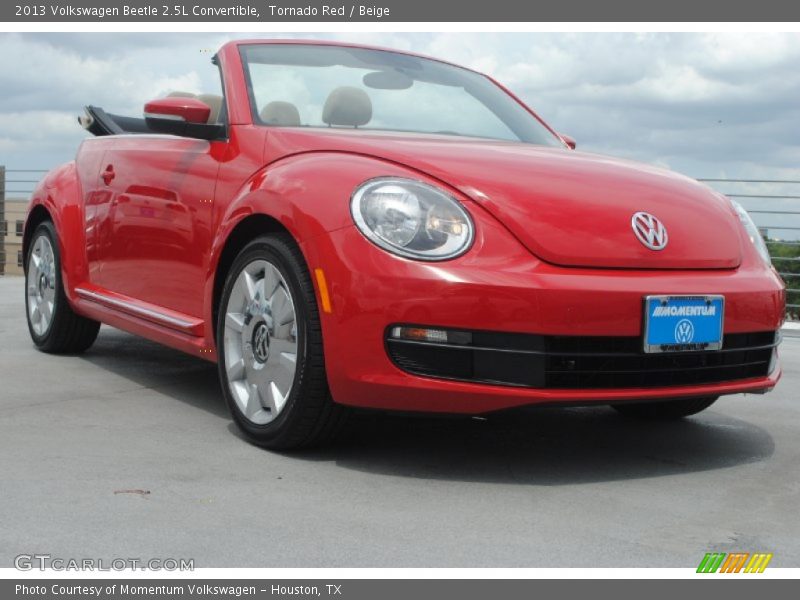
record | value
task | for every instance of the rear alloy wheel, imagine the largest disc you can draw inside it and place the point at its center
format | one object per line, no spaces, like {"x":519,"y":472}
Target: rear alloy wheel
{"x":664,"y":410}
{"x":271,"y":360}
{"x":53,"y":325}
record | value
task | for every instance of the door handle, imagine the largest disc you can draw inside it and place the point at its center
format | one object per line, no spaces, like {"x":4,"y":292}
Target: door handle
{"x":108,"y":175}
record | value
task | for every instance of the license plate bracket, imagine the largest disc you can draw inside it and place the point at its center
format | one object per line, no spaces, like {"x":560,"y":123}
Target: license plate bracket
{"x":683,"y":323}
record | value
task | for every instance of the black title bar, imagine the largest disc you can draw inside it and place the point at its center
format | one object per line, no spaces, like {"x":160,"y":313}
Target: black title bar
{"x":472,"y":11}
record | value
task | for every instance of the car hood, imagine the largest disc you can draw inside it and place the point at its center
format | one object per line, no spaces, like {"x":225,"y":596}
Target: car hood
{"x":568,"y":208}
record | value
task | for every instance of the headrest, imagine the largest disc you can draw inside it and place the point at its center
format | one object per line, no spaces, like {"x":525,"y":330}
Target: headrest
{"x":180,"y":95}
{"x":348,"y":106}
{"x":280,"y":113}
{"x":214,"y":102}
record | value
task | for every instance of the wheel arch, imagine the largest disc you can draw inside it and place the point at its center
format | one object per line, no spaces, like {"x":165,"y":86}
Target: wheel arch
{"x":245,"y":231}
{"x":306,"y":196}
{"x":57,"y":198}
{"x":37,"y":215}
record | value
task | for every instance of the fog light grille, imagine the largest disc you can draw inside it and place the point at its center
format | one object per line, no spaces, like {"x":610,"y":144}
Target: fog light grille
{"x":572,"y":362}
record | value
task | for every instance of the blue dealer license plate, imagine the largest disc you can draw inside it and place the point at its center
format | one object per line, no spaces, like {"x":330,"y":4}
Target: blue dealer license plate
{"x":683,"y":323}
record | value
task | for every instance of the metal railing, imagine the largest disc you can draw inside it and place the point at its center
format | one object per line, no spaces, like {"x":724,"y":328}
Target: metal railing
{"x":774,"y":205}
{"x":15,"y":185}
{"x":20,"y":183}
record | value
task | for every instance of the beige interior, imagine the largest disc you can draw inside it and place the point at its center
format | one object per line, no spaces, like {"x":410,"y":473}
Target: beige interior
{"x":280,"y":113}
{"x":348,"y":107}
{"x":179,"y":94}
{"x":214,"y":102}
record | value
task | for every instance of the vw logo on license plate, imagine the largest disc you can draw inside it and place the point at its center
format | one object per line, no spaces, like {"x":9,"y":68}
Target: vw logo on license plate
{"x":684,"y":332}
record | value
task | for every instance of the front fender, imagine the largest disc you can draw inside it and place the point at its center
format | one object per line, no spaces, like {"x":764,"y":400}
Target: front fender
{"x":60,"y":195}
{"x":308,"y":194}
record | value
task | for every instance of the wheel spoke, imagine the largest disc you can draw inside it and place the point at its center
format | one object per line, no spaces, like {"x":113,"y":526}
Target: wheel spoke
{"x":289,"y":360}
{"x":278,"y":399}
{"x":249,"y":286}
{"x":281,"y":369}
{"x":236,"y":370}
{"x":272,"y":280}
{"x":46,"y":310}
{"x":253,"y":402}
{"x":36,"y":253}
{"x":234,"y":321}
{"x":241,"y":394}
{"x":282,"y":314}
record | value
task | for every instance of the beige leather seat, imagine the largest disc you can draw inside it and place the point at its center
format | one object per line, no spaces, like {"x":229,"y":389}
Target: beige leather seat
{"x":280,"y":113}
{"x":214,"y":102}
{"x":348,"y":107}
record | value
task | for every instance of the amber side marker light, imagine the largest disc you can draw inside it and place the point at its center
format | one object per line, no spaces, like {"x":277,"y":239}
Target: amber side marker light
{"x":324,"y":296}
{"x":437,"y":336}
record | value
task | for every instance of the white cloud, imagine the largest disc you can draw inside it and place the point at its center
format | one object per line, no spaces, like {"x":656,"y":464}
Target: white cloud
{"x":701,"y":103}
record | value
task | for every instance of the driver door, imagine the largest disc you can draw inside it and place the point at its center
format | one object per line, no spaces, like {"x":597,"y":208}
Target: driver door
{"x":154,"y":239}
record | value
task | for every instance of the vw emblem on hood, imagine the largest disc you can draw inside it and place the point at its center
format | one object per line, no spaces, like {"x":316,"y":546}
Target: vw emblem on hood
{"x":649,"y":230}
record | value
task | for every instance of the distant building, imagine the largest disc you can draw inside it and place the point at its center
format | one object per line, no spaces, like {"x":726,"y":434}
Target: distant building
{"x":764,"y":232}
{"x":12,"y":221}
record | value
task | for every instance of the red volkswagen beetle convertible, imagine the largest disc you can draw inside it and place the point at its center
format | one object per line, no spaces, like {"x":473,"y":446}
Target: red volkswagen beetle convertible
{"x":348,"y":226}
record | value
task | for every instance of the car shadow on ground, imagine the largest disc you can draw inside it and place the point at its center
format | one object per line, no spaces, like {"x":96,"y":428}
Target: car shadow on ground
{"x":534,"y":445}
{"x":546,"y":446}
{"x":167,"y":371}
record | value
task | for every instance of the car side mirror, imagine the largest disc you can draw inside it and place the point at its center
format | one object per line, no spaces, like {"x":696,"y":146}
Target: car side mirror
{"x":187,"y":117}
{"x":569,"y":141}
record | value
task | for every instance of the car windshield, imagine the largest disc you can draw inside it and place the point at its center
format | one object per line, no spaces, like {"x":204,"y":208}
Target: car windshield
{"x":358,"y":88}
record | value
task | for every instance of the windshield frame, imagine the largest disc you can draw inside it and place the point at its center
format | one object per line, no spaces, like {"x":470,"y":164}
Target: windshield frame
{"x":549,"y":132}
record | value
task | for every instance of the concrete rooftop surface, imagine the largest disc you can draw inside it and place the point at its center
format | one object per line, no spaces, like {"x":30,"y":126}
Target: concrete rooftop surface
{"x":129,"y":451}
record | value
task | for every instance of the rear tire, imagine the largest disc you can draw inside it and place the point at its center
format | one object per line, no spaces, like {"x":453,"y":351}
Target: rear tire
{"x":269,"y":340}
{"x":54,"y":327}
{"x":666,"y":410}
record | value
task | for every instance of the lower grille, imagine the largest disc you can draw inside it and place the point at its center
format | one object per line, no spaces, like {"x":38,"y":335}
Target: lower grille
{"x":572,"y":362}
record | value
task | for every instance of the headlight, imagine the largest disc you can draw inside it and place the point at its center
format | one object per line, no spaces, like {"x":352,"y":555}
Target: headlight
{"x":752,"y":232}
{"x":411,"y":218}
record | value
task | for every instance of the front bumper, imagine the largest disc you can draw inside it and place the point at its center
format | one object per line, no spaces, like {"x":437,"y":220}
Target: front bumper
{"x":500,"y":287}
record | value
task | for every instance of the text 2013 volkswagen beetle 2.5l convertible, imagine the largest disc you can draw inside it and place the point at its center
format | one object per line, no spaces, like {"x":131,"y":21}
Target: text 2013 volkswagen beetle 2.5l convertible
{"x":349,"y":226}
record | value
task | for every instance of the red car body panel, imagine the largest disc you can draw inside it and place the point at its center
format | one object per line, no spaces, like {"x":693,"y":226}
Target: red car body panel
{"x":525,"y":295}
{"x":576,"y":196}
{"x":153,"y":220}
{"x":141,"y":244}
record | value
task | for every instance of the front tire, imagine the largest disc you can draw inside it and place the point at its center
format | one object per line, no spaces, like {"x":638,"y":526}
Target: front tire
{"x":666,"y":410}
{"x":54,"y":327}
{"x":269,"y":340}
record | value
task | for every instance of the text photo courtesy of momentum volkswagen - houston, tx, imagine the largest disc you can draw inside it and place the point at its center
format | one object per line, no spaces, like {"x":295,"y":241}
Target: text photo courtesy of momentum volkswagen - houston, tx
{"x":380,"y":299}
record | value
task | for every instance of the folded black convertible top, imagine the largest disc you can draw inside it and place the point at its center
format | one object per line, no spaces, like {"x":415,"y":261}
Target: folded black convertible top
{"x":98,"y":122}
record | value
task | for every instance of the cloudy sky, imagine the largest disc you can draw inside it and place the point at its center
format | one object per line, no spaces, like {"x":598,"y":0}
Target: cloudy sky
{"x":707,"y":105}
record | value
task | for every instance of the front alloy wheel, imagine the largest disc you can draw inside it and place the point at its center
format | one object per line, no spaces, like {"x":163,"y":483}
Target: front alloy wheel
{"x":271,"y":361}
{"x":260,"y":342}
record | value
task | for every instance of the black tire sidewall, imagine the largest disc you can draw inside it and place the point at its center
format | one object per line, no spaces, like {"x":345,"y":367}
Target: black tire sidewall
{"x":275,"y":251}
